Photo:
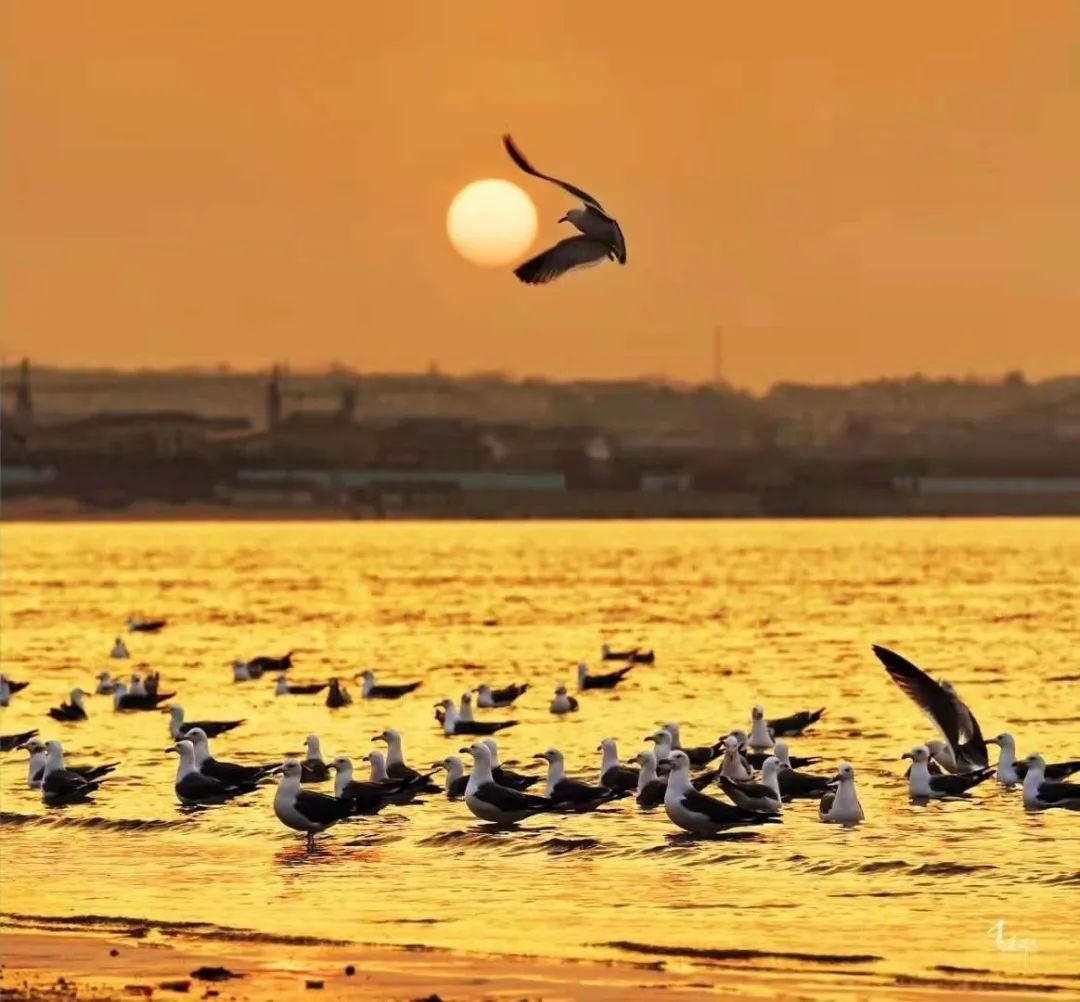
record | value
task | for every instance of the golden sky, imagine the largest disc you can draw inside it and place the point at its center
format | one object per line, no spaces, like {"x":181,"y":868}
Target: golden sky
{"x":848,"y":190}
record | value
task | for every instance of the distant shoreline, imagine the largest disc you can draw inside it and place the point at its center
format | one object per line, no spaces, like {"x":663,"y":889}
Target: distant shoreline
{"x":567,"y":508}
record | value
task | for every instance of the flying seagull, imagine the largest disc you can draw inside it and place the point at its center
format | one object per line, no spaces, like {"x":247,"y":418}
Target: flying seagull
{"x":600,"y":237}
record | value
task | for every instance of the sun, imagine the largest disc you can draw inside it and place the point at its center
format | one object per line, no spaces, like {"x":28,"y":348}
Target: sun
{"x":491,"y":222}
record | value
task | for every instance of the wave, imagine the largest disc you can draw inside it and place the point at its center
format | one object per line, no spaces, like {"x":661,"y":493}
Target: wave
{"x":695,"y":953}
{"x":99,"y":824}
{"x":193,"y":929}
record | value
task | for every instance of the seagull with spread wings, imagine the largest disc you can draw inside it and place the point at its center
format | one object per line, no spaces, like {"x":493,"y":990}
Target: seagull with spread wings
{"x":600,"y":237}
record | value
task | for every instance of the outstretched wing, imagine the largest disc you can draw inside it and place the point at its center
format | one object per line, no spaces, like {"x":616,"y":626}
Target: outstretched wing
{"x":519,"y":158}
{"x":573,"y":252}
{"x":930,"y":697}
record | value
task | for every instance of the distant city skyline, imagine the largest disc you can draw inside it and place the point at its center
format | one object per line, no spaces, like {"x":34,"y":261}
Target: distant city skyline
{"x":847,"y":193}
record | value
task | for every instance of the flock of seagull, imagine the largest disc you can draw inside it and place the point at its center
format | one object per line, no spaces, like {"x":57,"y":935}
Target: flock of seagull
{"x":755,"y":770}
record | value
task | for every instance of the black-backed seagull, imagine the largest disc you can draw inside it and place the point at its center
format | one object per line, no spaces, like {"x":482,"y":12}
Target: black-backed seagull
{"x":124,"y":700}
{"x":607,"y":680}
{"x":600,"y":238}
{"x":763,"y":797}
{"x":265,"y":662}
{"x":456,"y":778}
{"x":796,"y":785}
{"x":1041,"y":795}
{"x":229,"y":773}
{"x":337,"y":695}
{"x":842,"y":806}
{"x":613,"y":774}
{"x":39,"y":758}
{"x":72,"y":710}
{"x":924,"y":786}
{"x":284,"y":687}
{"x":60,"y":785}
{"x":192,"y":787}
{"x":119,"y":649}
{"x":698,"y":813}
{"x":402,"y":791}
{"x":106,"y":684}
{"x":136,"y":624}
{"x":633,"y":656}
{"x":950,"y":715}
{"x":700,"y":755}
{"x":313,"y":768}
{"x":563,"y":703}
{"x":494,"y":803}
{"x":211,"y":728}
{"x":367,"y":797}
{"x":651,"y":788}
{"x":733,"y":766}
{"x":491,"y":699}
{"x":303,"y":810}
{"x":373,"y":690}
{"x":452,"y":724}
{"x":504,"y":776}
{"x":1010,"y":771}
{"x":571,"y":793}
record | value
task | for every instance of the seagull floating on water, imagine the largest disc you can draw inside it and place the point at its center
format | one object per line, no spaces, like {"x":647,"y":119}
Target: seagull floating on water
{"x":572,"y":793}
{"x":265,"y":662}
{"x":135,"y":624}
{"x":949,"y":713}
{"x":401,"y":791}
{"x":452,"y":724}
{"x":490,"y":699}
{"x":795,"y":785}
{"x":1041,"y":795}
{"x":763,"y":797}
{"x":600,"y":238}
{"x":61,"y":786}
{"x":456,"y":779}
{"x":1010,"y":771}
{"x":106,"y":684}
{"x":734,"y":766}
{"x":563,"y":703}
{"x":924,"y":786}
{"x":38,"y":762}
{"x":613,"y":774}
{"x":229,"y":773}
{"x":9,"y":688}
{"x":192,"y":787}
{"x":119,"y":649}
{"x":491,"y":802}
{"x":699,"y":756}
{"x":313,"y":769}
{"x":124,"y":700}
{"x":71,"y":711}
{"x":605,"y":681}
{"x":697,"y":812}
{"x":303,"y":810}
{"x":372,"y":690}
{"x":284,"y":687}
{"x":651,"y":788}
{"x":338,"y":696}
{"x":633,"y":656}
{"x":211,"y":728}
{"x":842,"y":807}
{"x":504,"y":776}
{"x":367,"y":797}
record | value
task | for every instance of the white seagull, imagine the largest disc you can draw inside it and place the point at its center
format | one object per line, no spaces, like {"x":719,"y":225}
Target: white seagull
{"x":842,"y":807}
{"x":600,"y":238}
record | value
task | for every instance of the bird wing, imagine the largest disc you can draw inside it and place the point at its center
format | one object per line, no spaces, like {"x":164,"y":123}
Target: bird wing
{"x":519,"y":158}
{"x":756,"y":790}
{"x":934,"y":701}
{"x":1062,"y":770}
{"x":321,"y":808}
{"x":715,"y":810}
{"x":506,"y":799}
{"x":826,"y":803}
{"x":958,"y":785}
{"x":796,"y":723}
{"x":575,"y":791}
{"x":1057,"y":793}
{"x":566,"y":255}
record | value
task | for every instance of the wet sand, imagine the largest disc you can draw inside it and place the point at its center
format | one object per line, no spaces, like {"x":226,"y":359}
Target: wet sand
{"x":40,"y":965}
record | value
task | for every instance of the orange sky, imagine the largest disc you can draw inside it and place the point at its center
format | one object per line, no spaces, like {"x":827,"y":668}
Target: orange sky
{"x":846,"y":192}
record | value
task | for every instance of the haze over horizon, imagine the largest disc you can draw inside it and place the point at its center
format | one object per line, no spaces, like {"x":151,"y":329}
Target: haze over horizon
{"x":848,"y":193}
